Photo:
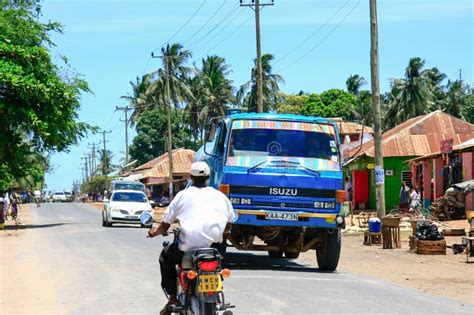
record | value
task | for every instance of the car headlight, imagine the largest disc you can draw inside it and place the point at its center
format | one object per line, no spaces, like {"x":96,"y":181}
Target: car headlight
{"x":235,"y":201}
{"x":246,"y":201}
{"x":329,"y":205}
{"x":319,"y":204}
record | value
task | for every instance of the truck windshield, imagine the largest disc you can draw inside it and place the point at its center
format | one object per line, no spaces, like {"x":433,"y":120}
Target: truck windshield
{"x":257,"y":141}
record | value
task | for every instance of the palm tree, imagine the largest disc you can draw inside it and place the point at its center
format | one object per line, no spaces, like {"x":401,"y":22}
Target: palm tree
{"x":456,"y":98}
{"x":354,"y":83}
{"x":216,"y":88}
{"x":138,"y":99}
{"x":411,"y":96}
{"x":436,"y":79}
{"x":247,"y":94}
{"x":176,"y":57}
{"x":105,"y":161}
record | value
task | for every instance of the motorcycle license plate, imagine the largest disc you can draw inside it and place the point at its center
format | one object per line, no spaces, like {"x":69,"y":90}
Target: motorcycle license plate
{"x":131,"y":217}
{"x":285,"y":216}
{"x":210,"y":283}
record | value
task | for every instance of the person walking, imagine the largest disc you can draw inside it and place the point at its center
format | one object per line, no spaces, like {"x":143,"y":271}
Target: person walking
{"x":3,"y":211}
{"x":15,"y":205}
{"x":415,"y":199}
{"x":37,"y":194}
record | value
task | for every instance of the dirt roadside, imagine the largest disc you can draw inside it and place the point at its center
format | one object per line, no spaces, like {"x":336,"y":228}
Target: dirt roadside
{"x":23,"y":277}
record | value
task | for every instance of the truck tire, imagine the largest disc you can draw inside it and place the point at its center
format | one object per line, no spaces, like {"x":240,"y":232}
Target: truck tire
{"x":328,"y":254}
{"x":292,"y":255}
{"x":275,"y":254}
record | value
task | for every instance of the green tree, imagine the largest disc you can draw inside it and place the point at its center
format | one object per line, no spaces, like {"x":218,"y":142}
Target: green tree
{"x":331,"y":103}
{"x":151,"y":135}
{"x":138,"y":99}
{"x":96,"y":183}
{"x":247,"y":94}
{"x":39,"y":101}
{"x":291,"y":104}
{"x":468,"y":110}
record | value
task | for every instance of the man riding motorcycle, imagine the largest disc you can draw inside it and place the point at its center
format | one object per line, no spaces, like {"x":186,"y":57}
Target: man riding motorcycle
{"x":205,"y":215}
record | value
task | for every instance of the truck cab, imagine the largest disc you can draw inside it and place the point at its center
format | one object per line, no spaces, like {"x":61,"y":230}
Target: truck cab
{"x":283,"y":175}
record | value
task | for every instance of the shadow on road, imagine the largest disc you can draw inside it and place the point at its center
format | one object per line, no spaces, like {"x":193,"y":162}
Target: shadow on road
{"x":248,"y":261}
{"x":32,"y":226}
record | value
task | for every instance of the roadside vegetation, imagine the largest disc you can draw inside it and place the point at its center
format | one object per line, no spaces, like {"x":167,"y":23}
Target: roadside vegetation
{"x":39,"y":100}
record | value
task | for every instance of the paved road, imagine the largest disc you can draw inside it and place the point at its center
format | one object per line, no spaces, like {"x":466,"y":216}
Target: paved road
{"x":115,"y":270}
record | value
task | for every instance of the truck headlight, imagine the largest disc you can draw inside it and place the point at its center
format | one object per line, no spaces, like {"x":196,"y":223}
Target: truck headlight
{"x":319,"y":204}
{"x":329,"y":205}
{"x":235,"y":201}
{"x":245,"y":201}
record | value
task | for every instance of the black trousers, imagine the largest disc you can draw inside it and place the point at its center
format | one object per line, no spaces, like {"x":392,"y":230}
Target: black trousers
{"x":170,"y":257}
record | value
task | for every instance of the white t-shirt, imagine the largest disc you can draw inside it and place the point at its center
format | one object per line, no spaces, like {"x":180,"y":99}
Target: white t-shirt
{"x":37,"y":193}
{"x":202,"y":213}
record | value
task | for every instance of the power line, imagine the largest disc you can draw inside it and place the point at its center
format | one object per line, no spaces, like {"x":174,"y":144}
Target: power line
{"x":228,"y":36}
{"x":312,"y":34}
{"x":226,"y":16}
{"x":205,"y":24}
{"x":323,"y":39}
{"x":199,"y":47}
{"x":184,"y":25}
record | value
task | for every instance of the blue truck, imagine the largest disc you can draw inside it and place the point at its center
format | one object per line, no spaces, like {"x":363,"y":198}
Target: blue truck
{"x":283,"y":175}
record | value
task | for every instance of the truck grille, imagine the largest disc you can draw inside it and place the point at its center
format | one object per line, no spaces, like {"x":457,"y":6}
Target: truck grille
{"x":282,"y":204}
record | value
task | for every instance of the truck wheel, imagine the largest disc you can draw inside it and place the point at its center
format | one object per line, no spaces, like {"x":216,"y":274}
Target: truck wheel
{"x":275,"y":254}
{"x":292,"y":255}
{"x":328,"y":254}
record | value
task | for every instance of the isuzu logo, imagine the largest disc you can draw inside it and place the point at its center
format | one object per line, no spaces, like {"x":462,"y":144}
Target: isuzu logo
{"x":283,"y":191}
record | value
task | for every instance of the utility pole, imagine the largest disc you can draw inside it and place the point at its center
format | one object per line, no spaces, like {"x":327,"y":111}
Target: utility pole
{"x":125,"y":110}
{"x":86,"y":162}
{"x":256,"y":5}
{"x":105,"y":162}
{"x":166,"y":59}
{"x":374,"y":71}
{"x":93,"y":164}
{"x":90,"y":165}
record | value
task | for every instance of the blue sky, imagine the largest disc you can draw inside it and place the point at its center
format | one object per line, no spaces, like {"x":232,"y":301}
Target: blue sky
{"x":110,"y":41}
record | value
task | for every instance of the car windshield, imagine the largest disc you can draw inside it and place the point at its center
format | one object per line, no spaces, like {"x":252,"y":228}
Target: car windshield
{"x":283,"y":143}
{"x":129,"y":197}
{"x":127,"y":186}
{"x":68,"y":193}
{"x":59,"y":193}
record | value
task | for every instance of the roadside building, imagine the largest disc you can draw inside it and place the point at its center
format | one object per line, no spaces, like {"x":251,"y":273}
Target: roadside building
{"x":417,"y":137}
{"x":155,"y":173}
{"x":436,"y":172}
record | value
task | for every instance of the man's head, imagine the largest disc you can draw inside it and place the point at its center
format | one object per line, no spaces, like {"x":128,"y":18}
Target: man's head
{"x":200,"y":173}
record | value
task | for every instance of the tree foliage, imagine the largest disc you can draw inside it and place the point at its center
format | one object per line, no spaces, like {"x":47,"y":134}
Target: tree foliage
{"x":152,"y":129}
{"x":39,"y":101}
{"x":96,"y":183}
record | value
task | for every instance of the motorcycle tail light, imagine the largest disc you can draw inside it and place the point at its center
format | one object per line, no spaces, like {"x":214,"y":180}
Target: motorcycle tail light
{"x":191,"y":274}
{"x":208,"y":265}
{"x":225,"y":273}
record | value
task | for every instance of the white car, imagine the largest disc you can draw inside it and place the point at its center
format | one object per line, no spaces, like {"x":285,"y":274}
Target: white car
{"x":59,"y":196}
{"x":125,"y":206}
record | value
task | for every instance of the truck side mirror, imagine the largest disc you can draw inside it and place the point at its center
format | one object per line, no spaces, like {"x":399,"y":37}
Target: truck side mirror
{"x":210,"y":133}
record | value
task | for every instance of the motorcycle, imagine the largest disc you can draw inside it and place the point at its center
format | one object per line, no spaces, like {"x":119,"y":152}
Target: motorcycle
{"x":200,"y":277}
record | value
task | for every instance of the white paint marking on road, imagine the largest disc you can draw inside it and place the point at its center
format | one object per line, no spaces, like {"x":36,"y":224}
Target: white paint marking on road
{"x":293,"y":278}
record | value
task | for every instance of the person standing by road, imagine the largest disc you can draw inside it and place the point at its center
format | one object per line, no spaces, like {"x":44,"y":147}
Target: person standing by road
{"x":348,"y":188}
{"x":404,"y":195}
{"x":37,"y":194}
{"x":415,"y":199}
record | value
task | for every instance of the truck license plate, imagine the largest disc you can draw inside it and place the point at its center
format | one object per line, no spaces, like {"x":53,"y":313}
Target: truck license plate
{"x":281,"y":216}
{"x":210,"y":283}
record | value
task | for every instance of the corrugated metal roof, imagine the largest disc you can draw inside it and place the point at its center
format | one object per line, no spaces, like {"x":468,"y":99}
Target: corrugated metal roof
{"x":350,"y":128}
{"x":159,"y":167}
{"x":421,"y":135}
